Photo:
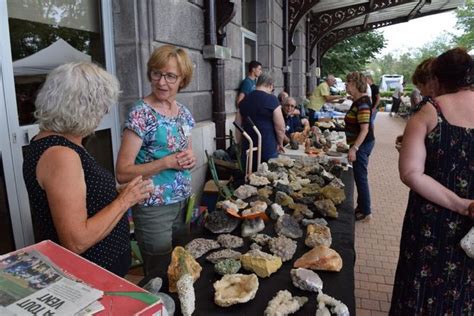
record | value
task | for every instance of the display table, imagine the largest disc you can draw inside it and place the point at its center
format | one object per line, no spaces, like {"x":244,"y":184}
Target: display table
{"x":340,"y":285}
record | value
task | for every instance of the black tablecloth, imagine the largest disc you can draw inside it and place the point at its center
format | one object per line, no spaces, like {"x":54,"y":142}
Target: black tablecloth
{"x":340,"y":285}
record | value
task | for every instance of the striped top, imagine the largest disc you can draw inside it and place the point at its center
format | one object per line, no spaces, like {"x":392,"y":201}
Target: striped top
{"x":358,"y":114}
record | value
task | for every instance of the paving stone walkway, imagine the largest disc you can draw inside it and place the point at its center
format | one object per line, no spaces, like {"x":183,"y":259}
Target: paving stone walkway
{"x":377,"y":241}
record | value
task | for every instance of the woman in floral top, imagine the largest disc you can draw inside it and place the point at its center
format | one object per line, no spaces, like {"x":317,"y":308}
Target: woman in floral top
{"x":434,"y":275}
{"x":156,"y":144}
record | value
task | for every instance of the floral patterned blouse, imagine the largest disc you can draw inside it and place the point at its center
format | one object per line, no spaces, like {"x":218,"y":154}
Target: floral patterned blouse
{"x":162,"y":136}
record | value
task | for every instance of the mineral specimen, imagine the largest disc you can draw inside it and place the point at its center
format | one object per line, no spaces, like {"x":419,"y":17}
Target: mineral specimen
{"x":182,"y":262}
{"x":254,"y":246}
{"x":276,"y":211}
{"x":306,"y":279}
{"x":282,"y":161}
{"x":284,"y":304}
{"x":265,"y":192}
{"x":257,"y":180}
{"x":227,"y":266}
{"x":258,"y":206}
{"x":228,"y":205}
{"x":241,"y":204}
{"x":334,"y":194}
{"x":235,"y":288}
{"x":317,"y":235}
{"x":320,"y":258}
{"x":326,"y":208}
{"x":320,"y":221}
{"x":186,"y":294}
{"x":288,"y":226}
{"x":282,"y":247}
{"x":283,"y":199}
{"x":219,"y":222}
{"x":245,"y":191}
{"x":251,"y":227}
{"x":301,"y":211}
{"x":338,"y":308}
{"x":199,"y":246}
{"x":261,"y":239}
{"x":223,"y":254}
{"x":262,"y":263}
{"x":230,"y":241}
{"x":337,"y":183}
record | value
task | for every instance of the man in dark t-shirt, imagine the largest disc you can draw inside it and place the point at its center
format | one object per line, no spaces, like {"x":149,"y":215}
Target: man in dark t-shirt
{"x":375,"y":96}
{"x":263,"y":108}
{"x":249,"y":83}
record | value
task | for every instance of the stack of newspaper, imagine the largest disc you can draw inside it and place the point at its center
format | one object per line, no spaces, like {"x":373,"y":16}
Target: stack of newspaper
{"x":30,"y":284}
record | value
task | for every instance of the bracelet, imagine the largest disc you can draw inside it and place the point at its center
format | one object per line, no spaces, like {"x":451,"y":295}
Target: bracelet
{"x":356,"y":147}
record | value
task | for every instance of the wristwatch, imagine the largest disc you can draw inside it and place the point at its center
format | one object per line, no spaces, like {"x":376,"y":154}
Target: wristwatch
{"x":356,"y":147}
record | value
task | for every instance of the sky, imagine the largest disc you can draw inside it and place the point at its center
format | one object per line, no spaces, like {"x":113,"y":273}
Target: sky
{"x":417,"y":32}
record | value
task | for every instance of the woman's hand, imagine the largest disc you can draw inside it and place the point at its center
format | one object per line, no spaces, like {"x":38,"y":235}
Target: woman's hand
{"x":398,"y":142}
{"x":186,"y":159}
{"x":352,"y":154}
{"x":281,"y":149}
{"x":137,"y":190}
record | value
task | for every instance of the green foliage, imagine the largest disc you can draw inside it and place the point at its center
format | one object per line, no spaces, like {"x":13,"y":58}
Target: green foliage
{"x":352,"y":54}
{"x":465,"y":22}
{"x":405,"y":63}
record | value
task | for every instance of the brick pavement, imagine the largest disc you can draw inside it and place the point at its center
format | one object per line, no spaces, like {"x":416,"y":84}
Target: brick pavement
{"x":377,"y":241}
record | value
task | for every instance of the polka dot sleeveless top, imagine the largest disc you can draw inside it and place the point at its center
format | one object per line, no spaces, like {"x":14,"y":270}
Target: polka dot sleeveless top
{"x":101,"y":191}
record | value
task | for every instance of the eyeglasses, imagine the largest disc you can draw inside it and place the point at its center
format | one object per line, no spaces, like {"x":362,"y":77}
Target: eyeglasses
{"x":169,"y":77}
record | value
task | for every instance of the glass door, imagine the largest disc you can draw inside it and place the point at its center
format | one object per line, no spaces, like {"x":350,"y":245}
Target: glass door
{"x":38,"y":36}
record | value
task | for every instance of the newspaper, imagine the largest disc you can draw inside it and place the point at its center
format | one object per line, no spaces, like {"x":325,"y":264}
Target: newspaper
{"x":30,"y":284}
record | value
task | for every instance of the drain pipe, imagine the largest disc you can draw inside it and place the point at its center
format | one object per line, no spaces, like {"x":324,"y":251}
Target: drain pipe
{"x":213,"y":52}
{"x":286,"y":68}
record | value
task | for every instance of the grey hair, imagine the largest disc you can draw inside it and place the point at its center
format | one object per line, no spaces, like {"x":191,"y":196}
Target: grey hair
{"x":75,"y":97}
{"x":265,"y":79}
{"x":287,"y":100}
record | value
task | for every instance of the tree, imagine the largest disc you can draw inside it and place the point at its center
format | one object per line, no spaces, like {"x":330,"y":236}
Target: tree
{"x":352,"y":54}
{"x":465,"y":22}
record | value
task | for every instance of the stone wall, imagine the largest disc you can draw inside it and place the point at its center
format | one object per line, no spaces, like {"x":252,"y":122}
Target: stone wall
{"x":140,"y":26}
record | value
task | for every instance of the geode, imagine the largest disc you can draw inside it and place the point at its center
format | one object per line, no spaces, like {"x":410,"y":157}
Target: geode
{"x":288,"y":226}
{"x":219,"y":222}
{"x":306,"y":279}
{"x":199,"y":246}
{"x":230,"y":241}
{"x":223,"y":254}
{"x":282,"y":247}
{"x":227,"y":266}
{"x":284,"y":304}
{"x":235,"y":288}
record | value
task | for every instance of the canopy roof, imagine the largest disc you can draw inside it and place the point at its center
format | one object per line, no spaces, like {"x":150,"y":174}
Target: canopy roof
{"x":330,"y":22}
{"x":45,"y":60}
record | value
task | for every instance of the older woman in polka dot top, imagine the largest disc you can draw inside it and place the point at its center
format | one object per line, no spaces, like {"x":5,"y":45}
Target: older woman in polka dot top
{"x":73,"y":199}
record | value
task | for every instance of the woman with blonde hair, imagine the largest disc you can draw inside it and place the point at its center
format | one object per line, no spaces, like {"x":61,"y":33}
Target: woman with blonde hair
{"x":73,"y":199}
{"x":360,"y":138}
{"x":156,"y":144}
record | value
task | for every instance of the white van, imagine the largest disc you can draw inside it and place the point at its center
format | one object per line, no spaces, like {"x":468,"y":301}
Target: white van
{"x":390,"y":82}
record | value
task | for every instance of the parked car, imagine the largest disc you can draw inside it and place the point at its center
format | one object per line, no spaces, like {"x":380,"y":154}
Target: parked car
{"x":390,"y":82}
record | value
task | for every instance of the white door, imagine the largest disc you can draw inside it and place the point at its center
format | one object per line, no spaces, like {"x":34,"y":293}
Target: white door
{"x":36,"y":37}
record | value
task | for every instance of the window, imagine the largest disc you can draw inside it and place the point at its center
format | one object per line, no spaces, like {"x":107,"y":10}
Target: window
{"x":249,"y":15}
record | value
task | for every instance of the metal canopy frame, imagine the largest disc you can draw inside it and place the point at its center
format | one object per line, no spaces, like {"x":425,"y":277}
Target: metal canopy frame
{"x":329,"y":21}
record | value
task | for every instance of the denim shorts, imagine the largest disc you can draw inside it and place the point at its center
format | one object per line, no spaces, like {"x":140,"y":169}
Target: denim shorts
{"x":156,"y":225}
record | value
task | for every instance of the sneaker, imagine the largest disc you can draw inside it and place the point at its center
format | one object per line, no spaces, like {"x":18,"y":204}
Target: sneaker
{"x":359,"y":216}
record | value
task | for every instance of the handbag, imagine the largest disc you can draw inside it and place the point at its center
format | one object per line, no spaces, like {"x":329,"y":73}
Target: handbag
{"x":467,"y":243}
